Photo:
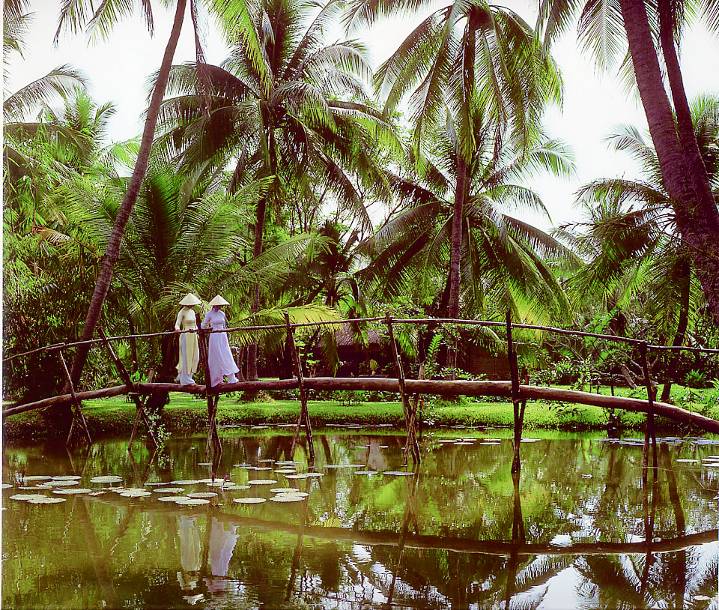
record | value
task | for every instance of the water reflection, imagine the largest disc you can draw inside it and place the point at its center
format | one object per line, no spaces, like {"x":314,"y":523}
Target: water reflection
{"x":587,"y":525}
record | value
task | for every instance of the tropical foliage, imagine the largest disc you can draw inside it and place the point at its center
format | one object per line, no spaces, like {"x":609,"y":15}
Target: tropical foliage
{"x":292,"y":176}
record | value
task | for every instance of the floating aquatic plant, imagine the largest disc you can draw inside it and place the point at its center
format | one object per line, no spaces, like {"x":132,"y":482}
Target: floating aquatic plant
{"x":249,"y":500}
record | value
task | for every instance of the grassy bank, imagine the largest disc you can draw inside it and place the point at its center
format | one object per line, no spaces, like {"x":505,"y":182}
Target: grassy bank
{"x":186,"y":414}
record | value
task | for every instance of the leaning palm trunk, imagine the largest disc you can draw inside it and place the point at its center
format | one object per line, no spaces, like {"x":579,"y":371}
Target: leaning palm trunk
{"x":696,"y":213}
{"x":112,"y":253}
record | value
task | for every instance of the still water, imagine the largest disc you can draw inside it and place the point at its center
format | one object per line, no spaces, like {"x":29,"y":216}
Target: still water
{"x":460,"y":533}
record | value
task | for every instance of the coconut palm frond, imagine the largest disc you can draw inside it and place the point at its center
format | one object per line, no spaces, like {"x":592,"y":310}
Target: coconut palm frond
{"x":46,"y":90}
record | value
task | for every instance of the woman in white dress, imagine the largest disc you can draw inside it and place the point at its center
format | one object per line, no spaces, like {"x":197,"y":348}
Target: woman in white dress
{"x":219,"y":356}
{"x":189,"y":346}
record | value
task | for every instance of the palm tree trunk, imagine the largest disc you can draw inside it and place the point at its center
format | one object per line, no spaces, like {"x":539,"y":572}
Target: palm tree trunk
{"x":694,"y":207}
{"x":682,"y":325}
{"x":455,"y":260}
{"x":112,"y":253}
{"x":271,"y":170}
{"x":687,"y":137}
{"x":255,"y":307}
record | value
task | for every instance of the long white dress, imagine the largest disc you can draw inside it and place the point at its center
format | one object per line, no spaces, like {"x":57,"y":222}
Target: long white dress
{"x":189,"y":346}
{"x":219,"y":355}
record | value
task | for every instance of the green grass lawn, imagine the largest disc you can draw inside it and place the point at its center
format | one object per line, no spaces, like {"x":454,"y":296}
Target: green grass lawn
{"x":186,"y":413}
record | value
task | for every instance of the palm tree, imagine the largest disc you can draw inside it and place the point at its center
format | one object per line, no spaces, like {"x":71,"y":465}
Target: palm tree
{"x":183,"y":237}
{"x":472,"y":58}
{"x":631,"y":241}
{"x":602,"y":29}
{"x":75,"y":15}
{"x":56,"y":168}
{"x":278,"y":114}
{"x":502,"y":266}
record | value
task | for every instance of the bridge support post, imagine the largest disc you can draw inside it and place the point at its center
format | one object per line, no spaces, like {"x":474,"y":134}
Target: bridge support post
{"x":649,"y":434}
{"x":140,"y":413}
{"x":517,"y":402}
{"x":78,"y":418}
{"x":304,"y":419}
{"x":410,"y":410}
{"x":214,"y":446}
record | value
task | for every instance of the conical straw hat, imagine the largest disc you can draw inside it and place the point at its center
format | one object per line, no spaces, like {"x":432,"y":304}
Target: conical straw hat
{"x":190,"y":299}
{"x":218,"y":300}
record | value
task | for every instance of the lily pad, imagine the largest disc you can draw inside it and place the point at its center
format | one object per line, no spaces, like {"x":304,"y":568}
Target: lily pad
{"x":156,"y":483}
{"x":365,"y":472}
{"x":37,"y":477}
{"x":249,"y":500}
{"x":285,"y":471}
{"x":46,"y":500}
{"x":97,"y":493}
{"x":60,"y":483}
{"x":135,"y":493}
{"x":262,"y":482}
{"x":398,"y":473}
{"x":262,"y":468}
{"x":204,"y":463}
{"x":202,"y":494}
{"x":67,"y":477}
{"x":290,"y":491}
{"x":266,"y":461}
{"x":235,"y":487}
{"x":168,"y":490}
{"x":111,"y":478}
{"x":185,"y":482}
{"x":169,"y":498}
{"x":220,"y":483}
{"x":191,"y":501}
{"x":26,"y":497}
{"x":287,"y":498}
{"x":72,"y":491}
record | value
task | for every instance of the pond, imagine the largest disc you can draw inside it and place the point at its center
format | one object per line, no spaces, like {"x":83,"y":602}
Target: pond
{"x":461,"y":533}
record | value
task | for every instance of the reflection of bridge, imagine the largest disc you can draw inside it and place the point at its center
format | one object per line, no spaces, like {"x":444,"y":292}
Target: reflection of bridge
{"x":444,"y":543}
{"x":409,"y":389}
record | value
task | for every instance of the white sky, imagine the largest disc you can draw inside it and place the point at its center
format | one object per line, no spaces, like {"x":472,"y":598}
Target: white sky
{"x":118,"y":71}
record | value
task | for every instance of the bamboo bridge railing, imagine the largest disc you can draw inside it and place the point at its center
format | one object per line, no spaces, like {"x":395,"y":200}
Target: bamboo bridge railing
{"x":513,"y":389}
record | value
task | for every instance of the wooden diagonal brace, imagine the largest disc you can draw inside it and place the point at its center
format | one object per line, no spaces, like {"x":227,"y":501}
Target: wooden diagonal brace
{"x":410,"y":411}
{"x":140,"y":413}
{"x":304,"y":418}
{"x":77,"y":414}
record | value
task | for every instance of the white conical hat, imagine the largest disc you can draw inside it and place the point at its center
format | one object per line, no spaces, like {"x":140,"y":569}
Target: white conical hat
{"x":190,"y":299}
{"x":218,"y":300}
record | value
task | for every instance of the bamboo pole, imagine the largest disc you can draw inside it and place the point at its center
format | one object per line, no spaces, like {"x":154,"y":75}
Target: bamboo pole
{"x":411,"y":444}
{"x":649,"y":434}
{"x":457,"y":321}
{"x":140,"y":413}
{"x":516,"y":394}
{"x":213,"y":446}
{"x":77,"y":414}
{"x":424,"y":386}
{"x":304,"y":418}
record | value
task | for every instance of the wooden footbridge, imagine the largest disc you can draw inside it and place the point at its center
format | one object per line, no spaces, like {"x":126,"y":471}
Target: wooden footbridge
{"x":410,"y":390}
